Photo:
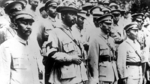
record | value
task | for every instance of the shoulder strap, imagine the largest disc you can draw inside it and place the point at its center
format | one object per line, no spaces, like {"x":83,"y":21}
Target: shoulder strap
{"x":72,"y":39}
{"x":134,"y":50}
{"x":111,"y":49}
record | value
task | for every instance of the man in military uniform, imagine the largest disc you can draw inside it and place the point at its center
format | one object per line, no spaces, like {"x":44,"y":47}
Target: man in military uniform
{"x":50,"y":8}
{"x":68,"y":67}
{"x":96,"y":12}
{"x":117,"y":29}
{"x":50,"y":23}
{"x":142,"y":39}
{"x":43,"y":12}
{"x":34,"y":5}
{"x":39,"y":24}
{"x":88,"y":25}
{"x":19,"y":64}
{"x":138,"y":18}
{"x":77,"y":29}
{"x":130,"y":58}
{"x":102,"y":65}
{"x":9,"y":32}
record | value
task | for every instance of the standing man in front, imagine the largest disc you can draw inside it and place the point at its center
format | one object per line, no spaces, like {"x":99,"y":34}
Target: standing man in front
{"x":18,"y":63}
{"x":129,"y":57}
{"x":66,"y":52}
{"x":101,"y":55}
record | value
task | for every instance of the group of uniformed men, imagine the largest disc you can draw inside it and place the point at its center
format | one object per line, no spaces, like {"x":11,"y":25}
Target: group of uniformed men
{"x":53,"y":43}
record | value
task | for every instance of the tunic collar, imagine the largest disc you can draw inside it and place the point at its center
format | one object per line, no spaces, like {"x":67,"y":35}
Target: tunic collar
{"x":103,"y":35}
{"x":24,"y":42}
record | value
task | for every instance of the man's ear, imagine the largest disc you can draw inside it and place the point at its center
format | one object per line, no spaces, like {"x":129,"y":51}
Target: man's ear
{"x":128,"y":32}
{"x":46,"y":10}
{"x":63,"y":16}
{"x":100,"y":24}
{"x":15,"y":25}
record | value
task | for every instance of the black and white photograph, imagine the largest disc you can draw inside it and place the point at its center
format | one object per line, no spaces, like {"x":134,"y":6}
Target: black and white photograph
{"x":74,"y":41}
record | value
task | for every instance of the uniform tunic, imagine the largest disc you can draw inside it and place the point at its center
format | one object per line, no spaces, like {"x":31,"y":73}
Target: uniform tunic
{"x":18,"y":64}
{"x":101,"y":69}
{"x":126,"y":53}
{"x":64,"y":71}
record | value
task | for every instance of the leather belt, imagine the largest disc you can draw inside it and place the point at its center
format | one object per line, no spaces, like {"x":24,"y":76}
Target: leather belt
{"x":134,"y":63}
{"x":106,"y":58}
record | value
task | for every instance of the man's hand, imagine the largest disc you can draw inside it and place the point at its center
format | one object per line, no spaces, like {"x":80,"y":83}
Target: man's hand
{"x":77,"y":59}
{"x":43,"y":52}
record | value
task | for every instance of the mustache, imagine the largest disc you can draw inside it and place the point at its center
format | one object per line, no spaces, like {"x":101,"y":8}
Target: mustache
{"x":28,"y":30}
{"x":74,"y":20}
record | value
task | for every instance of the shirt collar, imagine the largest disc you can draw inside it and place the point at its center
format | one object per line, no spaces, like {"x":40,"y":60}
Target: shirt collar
{"x":24,"y":42}
{"x":77,"y":27}
{"x":103,"y":35}
{"x":65,"y":26}
{"x":131,"y":41}
{"x":52,"y":19}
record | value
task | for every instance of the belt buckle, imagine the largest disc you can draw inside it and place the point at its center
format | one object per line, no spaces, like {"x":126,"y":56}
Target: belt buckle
{"x":139,"y":63}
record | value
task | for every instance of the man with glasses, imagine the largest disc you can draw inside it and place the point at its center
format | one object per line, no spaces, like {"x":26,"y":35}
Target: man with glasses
{"x":101,"y":55}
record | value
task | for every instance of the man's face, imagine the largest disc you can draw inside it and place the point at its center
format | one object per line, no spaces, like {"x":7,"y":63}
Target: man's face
{"x":80,"y":22}
{"x":34,"y":3}
{"x":140,"y":22}
{"x":70,"y":18}
{"x":51,"y":10}
{"x":126,"y":15}
{"x":24,"y":27}
{"x":146,"y":21}
{"x":44,"y":14}
{"x":106,"y":27}
{"x":132,"y":34}
{"x":116,"y":16}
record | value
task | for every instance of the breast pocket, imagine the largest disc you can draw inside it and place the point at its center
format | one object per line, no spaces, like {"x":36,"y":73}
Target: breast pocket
{"x":20,"y":63}
{"x":69,"y":47}
{"x":132,"y":55}
{"x":104,"y":50}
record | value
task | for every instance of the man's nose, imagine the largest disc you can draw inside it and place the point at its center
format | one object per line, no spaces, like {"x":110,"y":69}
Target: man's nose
{"x":28,"y":26}
{"x":74,"y":16}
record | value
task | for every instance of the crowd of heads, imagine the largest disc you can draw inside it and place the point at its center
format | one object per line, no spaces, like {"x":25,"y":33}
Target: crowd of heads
{"x":103,"y":12}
